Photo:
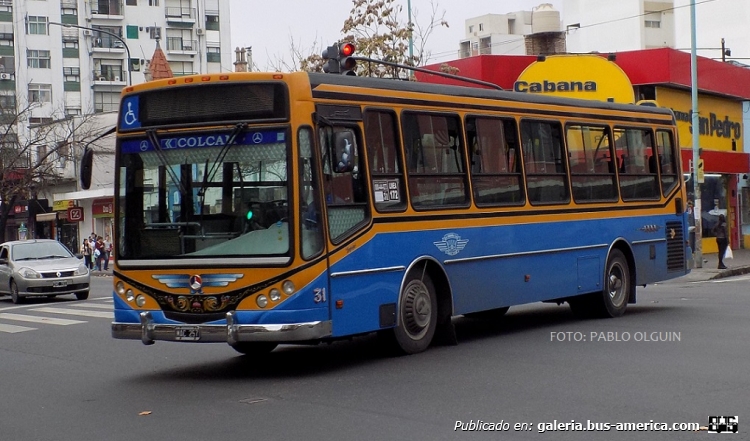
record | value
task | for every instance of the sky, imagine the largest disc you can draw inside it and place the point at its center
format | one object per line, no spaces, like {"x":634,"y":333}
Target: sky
{"x":270,"y":26}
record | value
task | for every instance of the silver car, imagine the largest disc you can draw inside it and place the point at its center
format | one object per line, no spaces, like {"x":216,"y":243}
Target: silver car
{"x":41,"y":267}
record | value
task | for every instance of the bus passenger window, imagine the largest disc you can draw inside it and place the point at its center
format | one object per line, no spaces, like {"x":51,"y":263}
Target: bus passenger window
{"x":592,"y":171}
{"x":546,"y":176}
{"x":639,"y":178}
{"x":667,"y":160}
{"x":495,"y":172}
{"x":383,"y":157}
{"x":435,"y":160}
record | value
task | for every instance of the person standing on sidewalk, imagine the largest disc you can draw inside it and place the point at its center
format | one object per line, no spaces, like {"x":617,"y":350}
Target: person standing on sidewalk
{"x":86,"y":250}
{"x":107,"y":251}
{"x":720,"y":231}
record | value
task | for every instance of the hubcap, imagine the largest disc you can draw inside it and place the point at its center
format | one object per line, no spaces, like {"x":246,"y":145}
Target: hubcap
{"x":416,"y":309}
{"x":616,"y":284}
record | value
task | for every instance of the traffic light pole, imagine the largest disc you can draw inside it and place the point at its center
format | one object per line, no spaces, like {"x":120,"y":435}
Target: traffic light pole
{"x":698,"y":252}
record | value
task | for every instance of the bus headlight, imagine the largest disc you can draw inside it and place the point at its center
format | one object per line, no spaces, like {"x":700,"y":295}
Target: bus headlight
{"x":288,"y":287}
{"x":130,"y":295}
{"x":120,"y":288}
{"x":262,"y":301}
{"x":275,"y":295}
{"x":140,"y":300}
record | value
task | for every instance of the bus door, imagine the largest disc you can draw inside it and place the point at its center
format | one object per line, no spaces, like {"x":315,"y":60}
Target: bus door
{"x":347,"y":214}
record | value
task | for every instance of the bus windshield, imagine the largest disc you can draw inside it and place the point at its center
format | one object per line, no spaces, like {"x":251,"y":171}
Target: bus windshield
{"x":204,"y":195}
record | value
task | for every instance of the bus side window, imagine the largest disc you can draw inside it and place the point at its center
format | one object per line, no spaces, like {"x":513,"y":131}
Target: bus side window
{"x":384,"y":160}
{"x":639,"y":177}
{"x":546,"y":176}
{"x":345,"y":192}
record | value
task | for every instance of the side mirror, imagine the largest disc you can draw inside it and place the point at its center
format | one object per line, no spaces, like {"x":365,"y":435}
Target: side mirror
{"x":87,"y":165}
{"x":344,"y":152}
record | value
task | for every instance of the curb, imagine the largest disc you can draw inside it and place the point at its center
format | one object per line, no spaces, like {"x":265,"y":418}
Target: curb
{"x":731,"y":272}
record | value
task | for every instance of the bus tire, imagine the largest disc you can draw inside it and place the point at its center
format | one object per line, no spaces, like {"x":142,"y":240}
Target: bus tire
{"x":417,"y":314}
{"x":254,"y":347}
{"x":617,"y":286}
{"x":489,"y":314}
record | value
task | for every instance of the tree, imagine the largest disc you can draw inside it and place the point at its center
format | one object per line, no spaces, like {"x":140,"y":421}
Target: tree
{"x":30,"y":162}
{"x":378,"y":31}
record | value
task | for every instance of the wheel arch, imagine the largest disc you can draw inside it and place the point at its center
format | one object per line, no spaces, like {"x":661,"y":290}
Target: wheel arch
{"x":434,"y":269}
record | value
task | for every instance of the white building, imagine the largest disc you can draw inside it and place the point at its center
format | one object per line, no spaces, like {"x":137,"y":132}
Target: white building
{"x":623,"y":25}
{"x":69,"y":58}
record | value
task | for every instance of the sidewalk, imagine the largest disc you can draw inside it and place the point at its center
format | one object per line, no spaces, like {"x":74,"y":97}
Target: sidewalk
{"x":735,"y":267}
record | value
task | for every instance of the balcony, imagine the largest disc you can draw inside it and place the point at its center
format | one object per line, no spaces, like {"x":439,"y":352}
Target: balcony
{"x":110,"y":77}
{"x":180,"y":15}
{"x":106,"y":9}
{"x":103,"y":43}
{"x":178,"y":45}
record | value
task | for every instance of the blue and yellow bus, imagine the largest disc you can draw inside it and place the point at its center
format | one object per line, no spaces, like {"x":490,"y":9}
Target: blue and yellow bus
{"x":259,"y":209}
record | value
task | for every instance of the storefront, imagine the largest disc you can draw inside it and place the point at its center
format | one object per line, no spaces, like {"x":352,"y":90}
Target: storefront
{"x":103,"y":213}
{"x":67,"y":229}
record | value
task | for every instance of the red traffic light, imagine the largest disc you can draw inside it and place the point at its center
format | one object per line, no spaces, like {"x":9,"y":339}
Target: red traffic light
{"x":346,"y":50}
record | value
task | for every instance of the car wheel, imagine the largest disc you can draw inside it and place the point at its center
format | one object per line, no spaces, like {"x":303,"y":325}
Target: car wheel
{"x":254,"y":347}
{"x":14,"y":293}
{"x":82,"y":295}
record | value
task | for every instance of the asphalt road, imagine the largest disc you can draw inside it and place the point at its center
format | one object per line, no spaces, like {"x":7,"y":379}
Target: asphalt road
{"x":74,"y":382}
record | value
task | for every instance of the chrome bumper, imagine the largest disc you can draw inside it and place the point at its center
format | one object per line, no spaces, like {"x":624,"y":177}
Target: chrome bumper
{"x":148,"y":331}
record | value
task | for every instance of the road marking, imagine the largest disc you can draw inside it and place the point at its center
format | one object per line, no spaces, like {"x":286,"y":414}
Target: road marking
{"x":12,"y":329}
{"x":91,"y":305}
{"x":36,"y":319}
{"x":99,"y":314}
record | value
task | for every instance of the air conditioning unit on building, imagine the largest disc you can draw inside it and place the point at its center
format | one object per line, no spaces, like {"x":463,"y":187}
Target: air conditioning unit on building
{"x":101,"y":79}
{"x":117,"y":78}
{"x":4,"y":76}
{"x":86,"y":33}
{"x":199,"y":31}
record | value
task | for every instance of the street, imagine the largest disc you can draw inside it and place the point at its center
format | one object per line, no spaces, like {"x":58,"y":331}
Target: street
{"x":678,"y":356}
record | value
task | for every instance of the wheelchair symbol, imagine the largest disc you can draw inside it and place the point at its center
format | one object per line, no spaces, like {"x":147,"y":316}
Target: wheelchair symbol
{"x":130,"y":117}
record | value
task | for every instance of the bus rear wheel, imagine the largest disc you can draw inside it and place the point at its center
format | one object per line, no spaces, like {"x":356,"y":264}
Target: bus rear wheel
{"x":613,"y":299}
{"x":417,"y":314}
{"x":254,"y":347}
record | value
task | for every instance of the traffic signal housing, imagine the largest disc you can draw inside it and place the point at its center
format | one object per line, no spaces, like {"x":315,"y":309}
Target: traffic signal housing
{"x":331,"y":58}
{"x":347,"y":63}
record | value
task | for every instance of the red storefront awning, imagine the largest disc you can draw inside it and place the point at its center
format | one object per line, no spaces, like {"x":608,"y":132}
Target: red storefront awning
{"x":718,"y":162}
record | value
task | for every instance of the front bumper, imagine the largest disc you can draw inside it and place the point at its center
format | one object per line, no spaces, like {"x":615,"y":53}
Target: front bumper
{"x":65,"y":285}
{"x":148,"y":332}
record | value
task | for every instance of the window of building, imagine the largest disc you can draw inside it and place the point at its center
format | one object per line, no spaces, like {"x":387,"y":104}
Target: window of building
{"x":155,"y":32}
{"x":68,"y":11}
{"x":213,"y":54}
{"x":106,"y":101}
{"x":153,"y":2}
{"x":37,"y":59}
{"x":495,"y":161}
{"x":471,"y":28}
{"x":481,"y":27}
{"x":36,"y":25}
{"x":40,"y":93}
{"x":131,"y":2}
{"x":653,"y":24}
{"x":383,"y":156}
{"x":180,"y":68}
{"x":212,"y":21}
{"x":635,"y":152}
{"x":592,"y":170}
{"x":72,"y":74}
{"x":73,"y":111}
{"x":546,"y":176}
{"x":434,"y":160}
{"x":131,"y":32}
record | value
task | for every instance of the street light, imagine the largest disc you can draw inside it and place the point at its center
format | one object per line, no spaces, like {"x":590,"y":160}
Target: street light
{"x":127,"y":49}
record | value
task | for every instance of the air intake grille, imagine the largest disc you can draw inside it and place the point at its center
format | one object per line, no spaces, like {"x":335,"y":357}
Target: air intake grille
{"x":675,"y":247}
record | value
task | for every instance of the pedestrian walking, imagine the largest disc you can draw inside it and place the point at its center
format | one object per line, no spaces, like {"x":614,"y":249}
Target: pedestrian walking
{"x":720,"y":231}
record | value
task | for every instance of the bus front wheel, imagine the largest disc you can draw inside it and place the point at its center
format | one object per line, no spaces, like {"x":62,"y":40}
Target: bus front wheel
{"x":417,"y":313}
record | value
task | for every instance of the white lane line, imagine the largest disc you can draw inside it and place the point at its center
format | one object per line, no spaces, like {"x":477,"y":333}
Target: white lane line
{"x":12,"y":329}
{"x":100,"y":314}
{"x":90,"y":305}
{"x":37,"y":319}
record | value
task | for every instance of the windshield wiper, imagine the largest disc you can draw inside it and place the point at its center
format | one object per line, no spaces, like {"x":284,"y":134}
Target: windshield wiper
{"x":26,"y":258}
{"x":54,"y":256}
{"x":151,"y":134}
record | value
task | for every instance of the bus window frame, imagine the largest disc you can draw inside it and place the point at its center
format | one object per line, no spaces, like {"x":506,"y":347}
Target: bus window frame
{"x":652,"y":131}
{"x":398,"y":138}
{"x":315,"y":182}
{"x":675,"y":160}
{"x":563,"y":159}
{"x":465,"y":174}
{"x":519,"y":161}
{"x":613,"y":162}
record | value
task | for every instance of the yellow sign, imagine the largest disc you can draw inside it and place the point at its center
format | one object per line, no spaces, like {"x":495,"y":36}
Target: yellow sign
{"x":719,"y":119}
{"x":577,"y":76}
{"x":699,"y":171}
{"x":63,"y":205}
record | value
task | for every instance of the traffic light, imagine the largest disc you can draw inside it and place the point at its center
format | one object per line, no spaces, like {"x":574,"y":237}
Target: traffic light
{"x":347,"y":63}
{"x":331,"y":58}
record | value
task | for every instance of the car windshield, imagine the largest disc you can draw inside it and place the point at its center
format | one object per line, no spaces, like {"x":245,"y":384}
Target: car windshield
{"x":39,"y":251}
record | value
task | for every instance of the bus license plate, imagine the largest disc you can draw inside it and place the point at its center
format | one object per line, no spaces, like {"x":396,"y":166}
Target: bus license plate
{"x":187,"y":333}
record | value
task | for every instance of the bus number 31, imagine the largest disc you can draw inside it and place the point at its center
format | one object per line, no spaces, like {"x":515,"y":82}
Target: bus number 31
{"x":320,"y":295}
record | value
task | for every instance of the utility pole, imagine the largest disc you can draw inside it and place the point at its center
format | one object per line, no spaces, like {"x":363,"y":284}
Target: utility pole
{"x":698,"y":255}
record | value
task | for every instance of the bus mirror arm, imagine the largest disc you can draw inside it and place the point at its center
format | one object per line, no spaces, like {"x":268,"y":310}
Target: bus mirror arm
{"x":87,"y":160}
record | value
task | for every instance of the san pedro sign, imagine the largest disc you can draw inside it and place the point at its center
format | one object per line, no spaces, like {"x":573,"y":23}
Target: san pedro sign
{"x":577,"y":76}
